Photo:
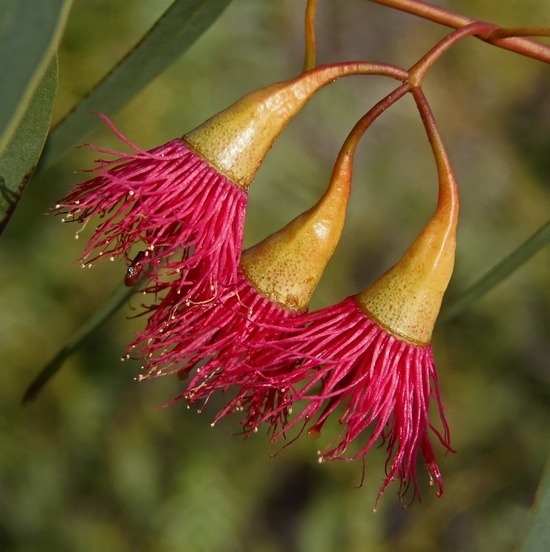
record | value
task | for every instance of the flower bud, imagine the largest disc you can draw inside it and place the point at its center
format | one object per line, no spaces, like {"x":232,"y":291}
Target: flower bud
{"x":406,"y":300}
{"x":287,"y":266}
{"x":236,"y":140}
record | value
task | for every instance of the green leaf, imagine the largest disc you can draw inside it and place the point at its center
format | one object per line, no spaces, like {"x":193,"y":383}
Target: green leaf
{"x":87,"y":330}
{"x":182,"y":23}
{"x":19,"y":158}
{"x":536,"y":532}
{"x":499,"y":272}
{"x":29,"y":32}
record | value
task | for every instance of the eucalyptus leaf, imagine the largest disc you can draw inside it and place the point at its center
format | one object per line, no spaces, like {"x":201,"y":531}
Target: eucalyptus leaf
{"x":499,"y":272}
{"x":80,"y":338}
{"x":19,"y":158}
{"x":177,"y":29}
{"x":29,"y":32}
{"x":536,"y":533}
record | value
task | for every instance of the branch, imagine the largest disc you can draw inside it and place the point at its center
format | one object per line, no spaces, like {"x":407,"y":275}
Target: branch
{"x":524,"y":46}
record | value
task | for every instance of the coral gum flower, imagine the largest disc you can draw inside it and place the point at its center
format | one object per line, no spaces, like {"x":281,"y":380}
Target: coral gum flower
{"x":183,"y":203}
{"x":370,"y":354}
{"x":284,"y":269}
{"x":168,"y":200}
{"x":382,"y":382}
{"x":271,"y":290}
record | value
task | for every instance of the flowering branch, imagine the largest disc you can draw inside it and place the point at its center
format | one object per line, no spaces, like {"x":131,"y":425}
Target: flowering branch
{"x":239,"y":319}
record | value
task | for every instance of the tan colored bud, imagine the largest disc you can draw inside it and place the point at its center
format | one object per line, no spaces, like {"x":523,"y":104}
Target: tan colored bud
{"x":236,"y":140}
{"x":406,"y":299}
{"x":287,"y":266}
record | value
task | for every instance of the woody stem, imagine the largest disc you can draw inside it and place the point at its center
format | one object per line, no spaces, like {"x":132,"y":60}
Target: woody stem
{"x":519,"y":31}
{"x":448,"y":18}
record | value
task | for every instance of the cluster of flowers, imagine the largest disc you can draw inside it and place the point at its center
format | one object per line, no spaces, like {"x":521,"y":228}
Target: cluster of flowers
{"x":239,"y":319}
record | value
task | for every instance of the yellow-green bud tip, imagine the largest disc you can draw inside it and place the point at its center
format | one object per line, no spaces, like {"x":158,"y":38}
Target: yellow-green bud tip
{"x":287,"y":266}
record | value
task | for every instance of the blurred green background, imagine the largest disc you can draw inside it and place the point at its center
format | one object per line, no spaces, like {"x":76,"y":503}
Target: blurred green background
{"x":95,"y":464}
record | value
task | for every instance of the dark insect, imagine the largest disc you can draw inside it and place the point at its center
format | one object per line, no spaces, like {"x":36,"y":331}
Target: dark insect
{"x":134,"y":270}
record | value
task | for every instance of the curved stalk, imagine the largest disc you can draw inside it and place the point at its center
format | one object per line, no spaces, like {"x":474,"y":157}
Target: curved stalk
{"x":406,"y":300}
{"x":311,"y":49}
